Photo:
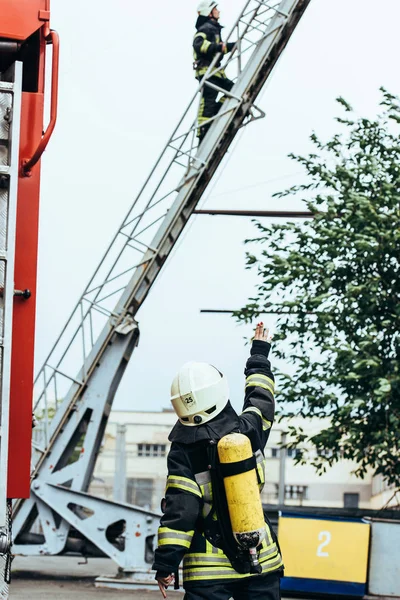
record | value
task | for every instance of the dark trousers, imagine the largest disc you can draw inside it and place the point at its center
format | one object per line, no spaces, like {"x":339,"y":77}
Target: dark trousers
{"x":209,"y":106}
{"x":266,"y":587}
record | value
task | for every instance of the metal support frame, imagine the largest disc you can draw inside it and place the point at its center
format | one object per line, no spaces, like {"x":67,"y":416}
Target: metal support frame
{"x":10,"y":119}
{"x":102,"y":527}
{"x":120,"y":464}
{"x":74,"y":451}
{"x":75,"y":387}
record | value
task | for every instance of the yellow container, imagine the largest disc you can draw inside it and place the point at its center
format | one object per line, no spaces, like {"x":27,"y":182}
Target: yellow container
{"x":325,"y":549}
{"x":242,"y":492}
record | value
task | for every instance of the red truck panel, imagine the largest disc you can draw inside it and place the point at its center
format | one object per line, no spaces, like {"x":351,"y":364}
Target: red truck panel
{"x":20,"y":428}
{"x":20,"y":18}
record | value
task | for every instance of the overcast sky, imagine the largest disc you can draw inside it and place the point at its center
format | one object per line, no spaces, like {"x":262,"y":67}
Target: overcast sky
{"x":125,"y":78}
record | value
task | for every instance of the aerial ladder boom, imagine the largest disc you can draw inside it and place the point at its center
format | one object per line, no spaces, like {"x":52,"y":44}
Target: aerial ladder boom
{"x":75,"y":388}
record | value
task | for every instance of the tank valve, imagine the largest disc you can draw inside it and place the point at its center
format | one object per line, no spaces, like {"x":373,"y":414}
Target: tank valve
{"x":254,"y":562}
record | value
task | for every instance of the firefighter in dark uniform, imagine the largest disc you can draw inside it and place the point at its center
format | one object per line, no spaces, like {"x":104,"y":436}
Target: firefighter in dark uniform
{"x":206,"y":44}
{"x":192,"y":527}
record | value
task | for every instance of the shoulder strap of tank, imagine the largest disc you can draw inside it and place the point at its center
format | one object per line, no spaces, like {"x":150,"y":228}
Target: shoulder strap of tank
{"x":242,"y":466}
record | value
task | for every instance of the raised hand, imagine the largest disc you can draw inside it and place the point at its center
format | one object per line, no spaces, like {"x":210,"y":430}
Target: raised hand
{"x":262,"y":333}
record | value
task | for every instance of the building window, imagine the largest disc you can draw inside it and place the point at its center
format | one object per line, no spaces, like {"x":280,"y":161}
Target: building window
{"x":290,"y":452}
{"x":296,"y":492}
{"x":139,"y":492}
{"x":351,"y":500}
{"x":152,"y":450}
{"x":293,"y":492}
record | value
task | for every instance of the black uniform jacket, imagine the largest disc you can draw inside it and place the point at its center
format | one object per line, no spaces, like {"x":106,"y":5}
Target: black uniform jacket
{"x":189,"y":491}
{"x":207,"y":43}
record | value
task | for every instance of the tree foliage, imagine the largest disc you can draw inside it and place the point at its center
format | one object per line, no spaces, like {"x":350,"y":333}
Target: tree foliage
{"x":336,"y":280}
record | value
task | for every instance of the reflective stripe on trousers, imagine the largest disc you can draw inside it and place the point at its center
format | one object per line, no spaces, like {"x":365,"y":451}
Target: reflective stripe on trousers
{"x":209,"y":106}
{"x":202,"y":566}
{"x":222,"y":572}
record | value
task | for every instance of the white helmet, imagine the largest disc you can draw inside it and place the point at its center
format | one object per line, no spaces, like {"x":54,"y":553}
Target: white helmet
{"x":205,"y":7}
{"x":198,"y":393}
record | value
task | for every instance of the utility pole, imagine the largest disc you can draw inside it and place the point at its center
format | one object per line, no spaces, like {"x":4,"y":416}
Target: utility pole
{"x":282,"y":470}
{"x":274,"y":214}
{"x":120,"y":465}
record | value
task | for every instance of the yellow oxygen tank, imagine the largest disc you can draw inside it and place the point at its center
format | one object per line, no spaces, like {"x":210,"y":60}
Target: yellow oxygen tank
{"x":243,"y":496}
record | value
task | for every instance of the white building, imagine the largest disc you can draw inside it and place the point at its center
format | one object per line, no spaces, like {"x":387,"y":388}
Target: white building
{"x":143,"y":437}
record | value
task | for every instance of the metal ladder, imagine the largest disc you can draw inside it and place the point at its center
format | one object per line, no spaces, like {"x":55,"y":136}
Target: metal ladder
{"x":10,"y":117}
{"x":75,"y":387}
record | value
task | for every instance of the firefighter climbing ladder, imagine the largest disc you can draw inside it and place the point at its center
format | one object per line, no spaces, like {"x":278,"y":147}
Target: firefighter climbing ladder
{"x":75,"y":388}
{"x":10,"y":115}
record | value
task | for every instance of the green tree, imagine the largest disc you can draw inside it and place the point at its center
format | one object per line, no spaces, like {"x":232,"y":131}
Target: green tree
{"x":335,"y":279}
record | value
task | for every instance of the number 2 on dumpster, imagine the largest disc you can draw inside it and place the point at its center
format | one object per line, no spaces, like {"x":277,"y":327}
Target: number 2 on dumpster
{"x":324,"y":537}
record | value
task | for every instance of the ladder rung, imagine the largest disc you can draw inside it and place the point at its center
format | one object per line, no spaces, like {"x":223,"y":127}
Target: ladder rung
{"x":5,"y":86}
{"x":4,"y":170}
